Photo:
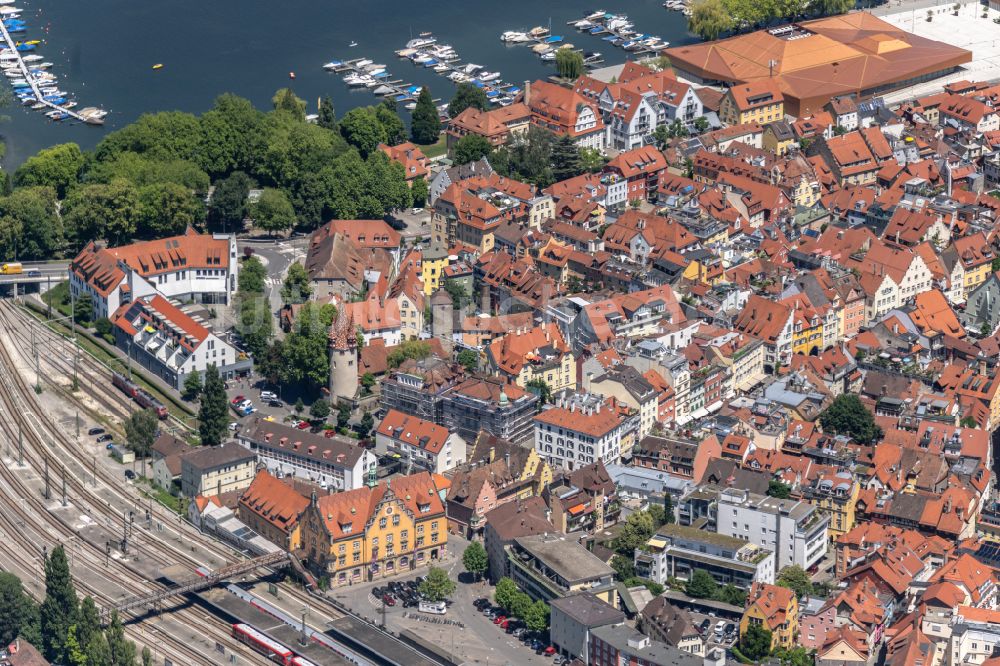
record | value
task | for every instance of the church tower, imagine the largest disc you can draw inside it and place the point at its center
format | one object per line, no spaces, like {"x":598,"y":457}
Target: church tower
{"x":343,"y":346}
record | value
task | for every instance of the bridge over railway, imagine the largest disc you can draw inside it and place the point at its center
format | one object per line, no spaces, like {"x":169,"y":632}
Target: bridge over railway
{"x":195,"y":585}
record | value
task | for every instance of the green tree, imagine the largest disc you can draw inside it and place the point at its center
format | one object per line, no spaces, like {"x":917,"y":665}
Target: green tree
{"x":101,"y":211}
{"x":363,"y":130}
{"x":847,"y":415}
{"x":504,"y":592}
{"x":669,"y":517}
{"x":272,"y":211}
{"x":141,"y":429}
{"x":469,"y":359}
{"x":419,"y":191}
{"x":520,"y":605}
{"x":527,"y":157}
{"x":343,"y":415}
{"x":192,"y":385}
{"x":776,"y":488}
{"x":296,"y":288}
{"x":122,"y":649}
{"x":392,"y":124}
{"x":732,"y":595}
{"x":467,"y":95}
{"x":367,"y":382}
{"x":425,"y":125}
{"x":624,"y":567}
{"x":306,"y":360}
{"x":30,"y":225}
{"x":436,"y":586}
{"x":286,"y":100}
{"x":701,"y":585}
{"x":228,"y":206}
{"x":252,"y":276}
{"x":327,"y":116}
{"x":709,"y":19}
{"x":658,"y":514}
{"x":591,"y":160}
{"x":299,"y":405}
{"x":98,"y":652}
{"x":796,"y":579}
{"x":366,"y":424}
{"x":147,"y":656}
{"x":565,"y":158}
{"x":320,"y":409}
{"x":541,"y":388}
{"x":411,"y":349}
{"x":459,"y":294}
{"x":470,"y":148}
{"x":60,"y":607}
{"x":701,"y":124}
{"x":15,"y":608}
{"x":569,"y":64}
{"x":635,"y":532}
{"x":537,"y":617}
{"x":167,"y":209}
{"x":213,"y":420}
{"x":474,"y":559}
{"x":57,"y":167}
{"x":385,"y":183}
{"x":161,"y":136}
{"x":831,"y":7}
{"x":83,"y":309}
{"x":755,"y":644}
{"x":88,"y":623}
{"x":255,"y":322}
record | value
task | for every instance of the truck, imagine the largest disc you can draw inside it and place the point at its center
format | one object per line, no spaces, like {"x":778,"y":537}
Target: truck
{"x":434,"y":607}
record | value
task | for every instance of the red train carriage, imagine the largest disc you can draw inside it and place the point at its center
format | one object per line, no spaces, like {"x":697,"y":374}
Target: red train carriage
{"x":132,"y":390}
{"x":269,"y":647}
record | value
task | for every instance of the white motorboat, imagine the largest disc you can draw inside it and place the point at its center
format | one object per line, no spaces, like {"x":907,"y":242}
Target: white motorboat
{"x":458,"y":77}
{"x":488,"y":76}
{"x":373,"y":66}
{"x":440,"y":69}
{"x":541,"y":48}
{"x":405,"y":53}
{"x":420,"y":42}
{"x":32,"y":58}
{"x":410,"y":106}
{"x":596,"y":14}
{"x":514,"y":37}
{"x":583,"y":24}
{"x":548,"y":57}
{"x":471,"y":67}
{"x":538,"y":32}
{"x":356,"y":80}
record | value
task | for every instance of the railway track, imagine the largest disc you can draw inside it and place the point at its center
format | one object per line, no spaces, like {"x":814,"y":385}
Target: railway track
{"x":43,"y":523}
{"x":109,"y":497}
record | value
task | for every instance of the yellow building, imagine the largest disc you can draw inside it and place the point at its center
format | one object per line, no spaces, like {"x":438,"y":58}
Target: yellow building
{"x":807,"y":330}
{"x":777,"y":610}
{"x":432,"y":266}
{"x":540,"y":353}
{"x":836,"y":494}
{"x":369,"y":533}
{"x":778,"y":137}
{"x":758,"y":102}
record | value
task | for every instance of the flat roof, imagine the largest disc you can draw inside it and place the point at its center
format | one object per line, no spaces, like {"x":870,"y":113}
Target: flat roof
{"x":565,"y":557}
{"x":588,"y":610}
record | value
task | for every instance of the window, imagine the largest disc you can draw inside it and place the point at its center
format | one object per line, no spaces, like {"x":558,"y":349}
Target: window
{"x":382,"y":522}
{"x":395,"y":520}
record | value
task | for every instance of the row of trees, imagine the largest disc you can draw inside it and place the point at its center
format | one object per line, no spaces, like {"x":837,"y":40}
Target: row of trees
{"x":712,"y":18}
{"x":516,"y":603}
{"x":537,"y":157}
{"x":152,"y":177}
{"x":64,"y":629}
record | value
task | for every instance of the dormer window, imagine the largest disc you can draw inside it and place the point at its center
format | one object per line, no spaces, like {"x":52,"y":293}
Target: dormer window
{"x":424,"y":508}
{"x":347,"y":528}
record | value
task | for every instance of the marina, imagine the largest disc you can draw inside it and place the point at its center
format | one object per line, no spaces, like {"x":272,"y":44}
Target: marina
{"x":424,"y":52}
{"x":33,"y":84}
{"x":618,"y":30}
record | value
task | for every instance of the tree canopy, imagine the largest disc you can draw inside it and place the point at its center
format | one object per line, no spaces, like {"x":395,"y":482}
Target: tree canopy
{"x":467,"y":95}
{"x":470,"y":148}
{"x":569,"y":63}
{"x":213,"y":419}
{"x":425,"y":125}
{"x":474,"y":559}
{"x":847,"y":415}
{"x":436,"y":586}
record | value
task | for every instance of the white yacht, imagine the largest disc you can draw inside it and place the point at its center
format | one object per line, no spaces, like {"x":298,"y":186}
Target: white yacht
{"x":420,"y":42}
{"x":514,"y":37}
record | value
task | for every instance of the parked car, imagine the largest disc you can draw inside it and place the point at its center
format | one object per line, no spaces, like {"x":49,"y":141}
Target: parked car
{"x":730,"y":629}
{"x":388,"y":600}
{"x":129,"y":474}
{"x":275,"y":403}
{"x":517,"y":633}
{"x":234,"y":426}
{"x":704,"y":626}
{"x":106,"y":437}
{"x":95,"y":431}
{"x":237,"y":400}
{"x":549,"y":651}
{"x":268,"y":395}
{"x":499,"y":619}
{"x":109,"y":446}
{"x":559,"y":659}
{"x":377,"y":592}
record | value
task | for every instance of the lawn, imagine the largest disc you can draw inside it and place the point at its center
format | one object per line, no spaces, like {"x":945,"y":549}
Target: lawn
{"x":436,"y":149}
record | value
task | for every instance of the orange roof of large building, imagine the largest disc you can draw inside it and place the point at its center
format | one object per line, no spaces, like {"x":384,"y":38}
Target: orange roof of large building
{"x":638,"y":161}
{"x":99,"y":266}
{"x":521,"y":347}
{"x":418,"y":433}
{"x":156,"y":312}
{"x":346,"y":514}
{"x":816,"y":60}
{"x":491,"y":123}
{"x":274,"y":501}
{"x":558,"y":108}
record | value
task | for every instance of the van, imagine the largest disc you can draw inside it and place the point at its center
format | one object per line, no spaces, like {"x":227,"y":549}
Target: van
{"x":720,"y":627}
{"x":267,"y":396}
{"x":435,"y":607}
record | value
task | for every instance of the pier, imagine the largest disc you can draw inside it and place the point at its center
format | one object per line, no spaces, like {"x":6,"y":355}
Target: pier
{"x":91,"y":118}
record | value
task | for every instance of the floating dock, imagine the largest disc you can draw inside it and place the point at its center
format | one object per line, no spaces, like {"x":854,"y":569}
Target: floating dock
{"x":90,"y":115}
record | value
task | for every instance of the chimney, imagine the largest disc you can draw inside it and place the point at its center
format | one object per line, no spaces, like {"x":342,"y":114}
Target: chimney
{"x":527,"y":93}
{"x":506,"y":459}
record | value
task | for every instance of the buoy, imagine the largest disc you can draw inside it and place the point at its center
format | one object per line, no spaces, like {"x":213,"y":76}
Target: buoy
{"x":291,"y":75}
{"x":158,"y":65}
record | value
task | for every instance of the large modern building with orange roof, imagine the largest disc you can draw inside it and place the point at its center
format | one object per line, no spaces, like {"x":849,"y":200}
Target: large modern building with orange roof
{"x":853,"y":54}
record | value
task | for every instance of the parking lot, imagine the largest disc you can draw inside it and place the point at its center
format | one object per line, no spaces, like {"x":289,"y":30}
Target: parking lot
{"x":462,"y":630}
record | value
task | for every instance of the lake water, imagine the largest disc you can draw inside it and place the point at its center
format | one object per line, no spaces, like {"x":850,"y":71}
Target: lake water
{"x":104,"y":50}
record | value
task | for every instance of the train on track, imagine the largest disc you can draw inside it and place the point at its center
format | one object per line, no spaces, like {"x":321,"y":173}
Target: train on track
{"x":140,"y":395}
{"x":264,"y":644}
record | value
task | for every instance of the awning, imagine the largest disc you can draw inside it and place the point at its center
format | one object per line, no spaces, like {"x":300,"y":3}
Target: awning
{"x":576,"y":510}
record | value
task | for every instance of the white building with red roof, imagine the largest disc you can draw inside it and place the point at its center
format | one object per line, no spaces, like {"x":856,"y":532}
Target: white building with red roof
{"x":192,"y":266}
{"x":419,"y":443}
{"x":565,"y":112}
{"x":163,"y":339}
